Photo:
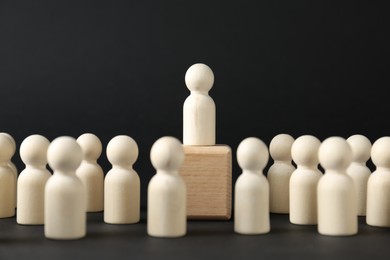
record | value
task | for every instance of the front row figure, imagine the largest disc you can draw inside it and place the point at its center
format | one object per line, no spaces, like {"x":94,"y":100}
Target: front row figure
{"x":65,"y":196}
{"x":167,"y":192}
{"x":378,"y":188}
{"x":337,"y":199}
{"x":11,"y":150}
{"x":304,"y":180}
{"x":32,"y":180}
{"x":7,"y":178}
{"x":65,"y":200}
{"x":251,"y":207}
{"x":122,"y":183}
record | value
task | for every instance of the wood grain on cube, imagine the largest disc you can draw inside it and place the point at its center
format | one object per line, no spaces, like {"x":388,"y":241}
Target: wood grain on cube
{"x":207,"y":171}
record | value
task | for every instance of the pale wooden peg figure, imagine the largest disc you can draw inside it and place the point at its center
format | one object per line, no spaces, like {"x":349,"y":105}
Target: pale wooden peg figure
{"x":251,"y":203}
{"x":90,"y":172}
{"x":167,"y":192}
{"x":378,"y":187}
{"x":32,"y":181}
{"x":199,"y":124}
{"x":358,"y":170}
{"x":7,"y":178}
{"x":11,"y":164}
{"x":122,"y":183}
{"x":280,"y":172}
{"x":65,"y":196}
{"x":336,"y":192}
{"x":304,"y":180}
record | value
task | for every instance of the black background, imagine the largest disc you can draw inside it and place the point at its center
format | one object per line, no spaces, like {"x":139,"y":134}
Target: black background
{"x":117,"y":67}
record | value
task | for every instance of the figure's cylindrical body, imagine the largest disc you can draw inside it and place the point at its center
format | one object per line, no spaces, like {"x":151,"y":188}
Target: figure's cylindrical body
{"x":13,"y":168}
{"x":251,"y":204}
{"x":303,"y":196}
{"x":337,"y":207}
{"x":91,"y":174}
{"x":378,"y":198}
{"x":360,"y":174}
{"x":279,"y":181}
{"x":31,"y":196}
{"x":15,"y":173}
{"x":11,"y":149}
{"x":167,"y":197}
{"x":65,"y":207}
{"x":121,"y":196}
{"x":199,"y":117}
{"x":7,"y":192}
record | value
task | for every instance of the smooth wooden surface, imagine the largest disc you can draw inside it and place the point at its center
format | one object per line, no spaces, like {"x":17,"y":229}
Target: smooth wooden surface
{"x":279,"y":173}
{"x":378,"y":186}
{"x":65,"y":207}
{"x":358,"y":170}
{"x":122,"y":185}
{"x":207,"y":171}
{"x":336,"y":193}
{"x":167,"y":204}
{"x":7,"y":178}
{"x":304,"y":180}
{"x":90,"y":172}
{"x":32,"y":180}
{"x":251,"y":201}
{"x":10,"y":163}
{"x":199,"y":113}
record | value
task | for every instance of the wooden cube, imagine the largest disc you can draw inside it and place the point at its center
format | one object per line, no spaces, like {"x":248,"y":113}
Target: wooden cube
{"x":207,"y":171}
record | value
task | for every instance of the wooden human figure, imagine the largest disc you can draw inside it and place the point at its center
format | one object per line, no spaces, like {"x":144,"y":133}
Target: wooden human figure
{"x":251,"y":204}
{"x":304,"y":180}
{"x":65,"y":196}
{"x":199,"y":108}
{"x":7,"y":178}
{"x":280,"y":172}
{"x":358,"y":170}
{"x":90,"y":172}
{"x":337,"y":203}
{"x":167,"y":190}
{"x":378,"y":187}
{"x":10,"y":163}
{"x":122,"y":183}
{"x":32,"y":181}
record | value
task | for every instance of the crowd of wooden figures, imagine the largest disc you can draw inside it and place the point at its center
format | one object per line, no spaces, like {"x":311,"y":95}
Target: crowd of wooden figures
{"x":332,"y":200}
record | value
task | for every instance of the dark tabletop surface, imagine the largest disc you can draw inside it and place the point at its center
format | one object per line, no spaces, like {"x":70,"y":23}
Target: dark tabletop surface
{"x":205,"y":239}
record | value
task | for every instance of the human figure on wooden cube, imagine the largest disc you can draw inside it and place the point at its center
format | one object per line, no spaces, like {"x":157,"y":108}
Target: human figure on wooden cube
{"x":207,"y":168}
